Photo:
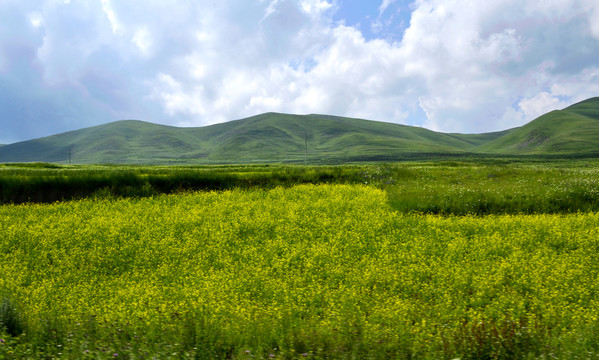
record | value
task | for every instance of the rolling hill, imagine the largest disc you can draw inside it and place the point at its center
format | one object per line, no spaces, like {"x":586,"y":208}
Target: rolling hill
{"x":573,"y":130}
{"x":268,"y":137}
{"x":274,"y":137}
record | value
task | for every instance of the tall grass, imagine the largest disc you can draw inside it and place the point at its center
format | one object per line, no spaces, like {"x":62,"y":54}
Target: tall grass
{"x":483,"y":190}
{"x":449,"y":187}
{"x":46,"y":183}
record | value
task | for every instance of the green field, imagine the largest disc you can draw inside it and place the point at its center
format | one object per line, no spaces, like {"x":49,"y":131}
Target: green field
{"x":427,"y":260}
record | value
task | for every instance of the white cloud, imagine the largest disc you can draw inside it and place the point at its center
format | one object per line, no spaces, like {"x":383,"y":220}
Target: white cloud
{"x":270,"y":9}
{"x":315,"y":7}
{"x":36,"y":19}
{"x":540,"y":104}
{"x":472,"y":67}
{"x":176,"y":99}
{"x":384,"y":5}
{"x":573,"y":89}
{"x":476,"y":61}
{"x":464,"y":66}
{"x":143,"y":40}
{"x":107,"y":8}
{"x":593,"y":9}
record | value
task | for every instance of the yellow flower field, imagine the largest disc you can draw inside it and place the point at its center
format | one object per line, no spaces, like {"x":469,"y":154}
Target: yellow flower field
{"x":320,"y":271}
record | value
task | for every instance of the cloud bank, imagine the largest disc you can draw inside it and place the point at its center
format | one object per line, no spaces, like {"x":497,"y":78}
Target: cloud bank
{"x":458,"y":66}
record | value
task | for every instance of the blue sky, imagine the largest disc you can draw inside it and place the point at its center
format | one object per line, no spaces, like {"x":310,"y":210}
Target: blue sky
{"x":375,"y":19}
{"x":447,"y":65}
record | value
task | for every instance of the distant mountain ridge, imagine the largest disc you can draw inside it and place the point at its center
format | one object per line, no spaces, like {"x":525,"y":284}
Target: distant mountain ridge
{"x":274,"y":137}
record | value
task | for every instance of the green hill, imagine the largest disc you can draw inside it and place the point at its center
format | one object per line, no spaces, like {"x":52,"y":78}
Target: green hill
{"x":571,"y":131}
{"x":274,"y":137}
{"x":121,"y":141}
{"x":284,"y":137}
{"x":268,"y":137}
{"x":479,"y":139}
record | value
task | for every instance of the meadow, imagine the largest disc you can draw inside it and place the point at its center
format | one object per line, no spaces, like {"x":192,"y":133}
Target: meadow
{"x":427,"y":260}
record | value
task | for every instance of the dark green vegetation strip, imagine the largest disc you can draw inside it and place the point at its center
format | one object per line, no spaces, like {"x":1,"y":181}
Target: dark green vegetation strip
{"x":479,"y":187}
{"x":45,"y":183}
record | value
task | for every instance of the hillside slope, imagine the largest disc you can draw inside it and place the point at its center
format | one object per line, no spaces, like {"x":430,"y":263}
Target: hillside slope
{"x":284,"y":137}
{"x":121,"y":141}
{"x":274,"y":137}
{"x":270,"y":137}
{"x":573,"y":130}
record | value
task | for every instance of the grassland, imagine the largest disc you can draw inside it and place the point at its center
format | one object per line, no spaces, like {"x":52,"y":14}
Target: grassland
{"x":434,"y":260}
{"x":275,"y":138}
{"x":573,"y":130}
{"x":478,"y":187}
{"x":266,"y":138}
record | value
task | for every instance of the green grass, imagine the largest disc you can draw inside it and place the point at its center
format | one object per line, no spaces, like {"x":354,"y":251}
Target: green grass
{"x":574,"y":130}
{"x":43,"y":182}
{"x":267,"y":138}
{"x":492,"y":189}
{"x":281,"y":138}
{"x":482,"y":186}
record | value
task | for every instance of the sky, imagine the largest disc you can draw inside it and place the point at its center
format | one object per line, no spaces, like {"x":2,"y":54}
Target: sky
{"x":446,"y":65}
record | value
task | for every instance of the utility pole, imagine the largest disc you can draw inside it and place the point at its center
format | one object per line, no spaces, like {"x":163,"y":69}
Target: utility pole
{"x":70,"y":156}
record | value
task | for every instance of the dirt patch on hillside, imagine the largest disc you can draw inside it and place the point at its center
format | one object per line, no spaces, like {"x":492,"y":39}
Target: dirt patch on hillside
{"x":533,"y":139}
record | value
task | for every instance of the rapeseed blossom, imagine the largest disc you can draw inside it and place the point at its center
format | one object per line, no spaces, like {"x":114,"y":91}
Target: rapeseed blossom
{"x":302,"y":271}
